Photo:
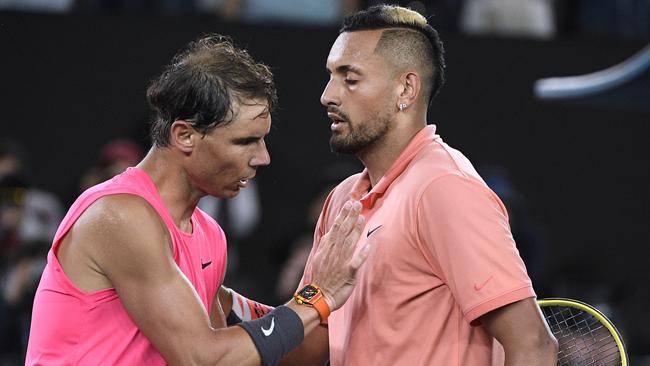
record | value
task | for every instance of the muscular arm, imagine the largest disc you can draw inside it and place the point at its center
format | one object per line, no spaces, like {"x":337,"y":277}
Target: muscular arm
{"x":127,"y":242}
{"x":522,"y":331}
{"x":314,"y":350}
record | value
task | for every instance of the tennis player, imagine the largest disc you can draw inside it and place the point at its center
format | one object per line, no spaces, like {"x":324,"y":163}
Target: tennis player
{"x":443,"y":281}
{"x":135,"y":270}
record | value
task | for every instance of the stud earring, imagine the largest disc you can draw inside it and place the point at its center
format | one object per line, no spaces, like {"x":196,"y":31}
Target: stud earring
{"x":402,"y":106}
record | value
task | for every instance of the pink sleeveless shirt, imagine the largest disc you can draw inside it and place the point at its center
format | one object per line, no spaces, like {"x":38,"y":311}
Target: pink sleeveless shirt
{"x":71,"y":327}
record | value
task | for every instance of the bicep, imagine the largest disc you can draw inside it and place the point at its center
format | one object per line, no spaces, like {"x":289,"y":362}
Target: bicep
{"x":137,"y":259}
{"x":522,"y":331}
{"x":508,"y":322}
{"x":221,"y":306}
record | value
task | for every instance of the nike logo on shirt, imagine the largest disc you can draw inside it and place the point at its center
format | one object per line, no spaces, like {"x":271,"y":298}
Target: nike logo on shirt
{"x":372,"y":231}
{"x":478,"y":287}
{"x":267,"y":332}
{"x":203,"y":265}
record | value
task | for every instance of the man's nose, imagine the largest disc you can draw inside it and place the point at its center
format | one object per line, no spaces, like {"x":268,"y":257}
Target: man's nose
{"x":261,"y":157}
{"x":329,"y":96}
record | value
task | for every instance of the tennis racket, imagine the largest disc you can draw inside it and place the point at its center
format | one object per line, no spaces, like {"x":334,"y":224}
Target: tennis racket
{"x":585,"y":336}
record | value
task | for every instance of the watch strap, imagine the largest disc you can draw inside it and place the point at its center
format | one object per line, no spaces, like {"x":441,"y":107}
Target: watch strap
{"x":323,"y":309}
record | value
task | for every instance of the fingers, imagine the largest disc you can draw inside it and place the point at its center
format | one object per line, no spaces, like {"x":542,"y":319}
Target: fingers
{"x":336,"y":261}
{"x":352,"y":237}
{"x":342,"y":215}
{"x":348,"y":217}
{"x":339,"y":243}
{"x":351,"y":220}
{"x":345,"y":222}
{"x":360,"y":258}
{"x":333,"y":235}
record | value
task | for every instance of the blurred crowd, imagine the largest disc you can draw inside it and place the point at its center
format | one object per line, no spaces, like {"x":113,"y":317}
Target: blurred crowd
{"x":542,"y":19}
{"x":28,"y":220}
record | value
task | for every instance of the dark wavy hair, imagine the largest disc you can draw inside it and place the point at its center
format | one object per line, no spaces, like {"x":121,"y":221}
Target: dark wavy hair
{"x":202,"y":84}
{"x":423,"y":46}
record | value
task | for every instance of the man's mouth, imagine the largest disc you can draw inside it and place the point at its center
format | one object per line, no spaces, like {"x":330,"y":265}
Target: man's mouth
{"x":243,"y":182}
{"x":337,"y":121}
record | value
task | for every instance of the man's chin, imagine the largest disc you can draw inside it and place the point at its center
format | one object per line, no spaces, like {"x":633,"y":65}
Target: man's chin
{"x":231,"y":193}
{"x":340,"y":147}
{"x":227,"y":193}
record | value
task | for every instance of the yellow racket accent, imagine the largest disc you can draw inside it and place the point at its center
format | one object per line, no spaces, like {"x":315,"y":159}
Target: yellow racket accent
{"x":575,"y":332}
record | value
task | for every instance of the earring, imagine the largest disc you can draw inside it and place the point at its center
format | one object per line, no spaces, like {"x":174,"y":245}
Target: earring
{"x":402,"y":106}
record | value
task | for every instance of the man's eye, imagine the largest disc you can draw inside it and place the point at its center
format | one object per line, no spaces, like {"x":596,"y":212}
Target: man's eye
{"x":351,"y":81}
{"x":247,"y":141}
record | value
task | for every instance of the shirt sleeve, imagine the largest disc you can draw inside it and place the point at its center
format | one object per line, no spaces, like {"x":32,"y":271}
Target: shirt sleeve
{"x":464,"y":227}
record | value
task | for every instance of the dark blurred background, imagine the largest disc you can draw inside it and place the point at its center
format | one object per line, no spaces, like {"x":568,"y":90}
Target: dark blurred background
{"x":73,"y":76}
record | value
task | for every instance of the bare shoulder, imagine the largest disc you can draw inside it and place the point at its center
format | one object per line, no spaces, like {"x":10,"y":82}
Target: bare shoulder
{"x":113,"y":232}
{"x":120,"y":210}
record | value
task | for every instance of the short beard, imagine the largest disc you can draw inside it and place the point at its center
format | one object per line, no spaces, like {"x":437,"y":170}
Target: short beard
{"x":361,"y":135}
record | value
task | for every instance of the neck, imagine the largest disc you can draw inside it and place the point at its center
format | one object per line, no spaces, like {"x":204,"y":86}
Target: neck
{"x":173,"y":185}
{"x":381,"y":155}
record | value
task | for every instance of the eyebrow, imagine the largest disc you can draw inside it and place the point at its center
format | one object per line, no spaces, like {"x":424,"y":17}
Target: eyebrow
{"x":264,"y":113}
{"x":346,"y":68}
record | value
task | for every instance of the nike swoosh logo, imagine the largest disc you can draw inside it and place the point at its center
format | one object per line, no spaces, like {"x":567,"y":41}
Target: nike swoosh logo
{"x":372,"y":231}
{"x":478,"y":287}
{"x":203,"y":265}
{"x":267,"y":332}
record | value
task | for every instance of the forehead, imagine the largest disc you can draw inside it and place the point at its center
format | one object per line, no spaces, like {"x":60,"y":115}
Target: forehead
{"x":250,"y":116}
{"x":353,"y":48}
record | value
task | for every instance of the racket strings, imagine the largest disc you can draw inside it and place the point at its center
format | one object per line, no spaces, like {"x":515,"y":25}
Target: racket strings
{"x":582,"y":339}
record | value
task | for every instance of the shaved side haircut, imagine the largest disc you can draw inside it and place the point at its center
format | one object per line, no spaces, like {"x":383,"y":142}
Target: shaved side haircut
{"x":407,"y":41}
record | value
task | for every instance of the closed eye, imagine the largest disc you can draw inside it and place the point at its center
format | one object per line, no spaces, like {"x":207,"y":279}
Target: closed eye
{"x":247,"y":141}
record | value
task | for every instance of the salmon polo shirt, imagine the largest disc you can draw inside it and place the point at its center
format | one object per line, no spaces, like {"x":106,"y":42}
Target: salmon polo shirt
{"x":442,"y":255}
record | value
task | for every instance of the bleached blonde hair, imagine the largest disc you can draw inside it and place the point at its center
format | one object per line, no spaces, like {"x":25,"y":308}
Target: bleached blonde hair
{"x":400,"y":15}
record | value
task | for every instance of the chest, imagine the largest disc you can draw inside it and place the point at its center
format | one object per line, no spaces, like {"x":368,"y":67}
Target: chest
{"x":396,"y":258}
{"x":202,"y":259}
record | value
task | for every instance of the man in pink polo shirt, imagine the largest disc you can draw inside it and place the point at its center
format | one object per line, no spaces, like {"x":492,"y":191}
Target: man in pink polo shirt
{"x":443,"y":279}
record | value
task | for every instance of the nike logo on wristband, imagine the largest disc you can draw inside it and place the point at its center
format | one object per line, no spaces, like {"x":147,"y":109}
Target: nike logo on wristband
{"x":267,"y":332}
{"x":204,"y":265}
{"x":372,"y":231}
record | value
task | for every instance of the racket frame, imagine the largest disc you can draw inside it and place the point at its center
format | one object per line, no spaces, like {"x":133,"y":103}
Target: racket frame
{"x":558,"y":301}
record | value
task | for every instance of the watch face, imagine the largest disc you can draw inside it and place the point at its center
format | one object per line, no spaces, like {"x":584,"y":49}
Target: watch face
{"x":308,"y":292}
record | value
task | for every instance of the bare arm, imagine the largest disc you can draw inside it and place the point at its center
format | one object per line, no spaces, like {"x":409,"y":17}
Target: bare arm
{"x":131,"y":247}
{"x":522,"y":331}
{"x":121,"y":240}
{"x":314,"y":350}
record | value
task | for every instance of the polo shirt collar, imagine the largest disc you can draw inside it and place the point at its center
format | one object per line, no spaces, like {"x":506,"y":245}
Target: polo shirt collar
{"x":360,"y":188}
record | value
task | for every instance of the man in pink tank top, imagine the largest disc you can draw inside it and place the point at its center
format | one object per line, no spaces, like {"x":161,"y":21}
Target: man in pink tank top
{"x":444,"y":281}
{"x":134,"y":276}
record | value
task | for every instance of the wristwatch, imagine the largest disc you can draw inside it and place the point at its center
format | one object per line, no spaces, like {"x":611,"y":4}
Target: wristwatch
{"x":311,"y":295}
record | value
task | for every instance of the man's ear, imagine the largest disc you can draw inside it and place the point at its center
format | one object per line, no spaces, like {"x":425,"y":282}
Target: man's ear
{"x":411,"y":86}
{"x":183,"y":135}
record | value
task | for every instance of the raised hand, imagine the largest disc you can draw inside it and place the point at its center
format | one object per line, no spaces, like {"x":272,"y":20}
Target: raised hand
{"x":335,"y":264}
